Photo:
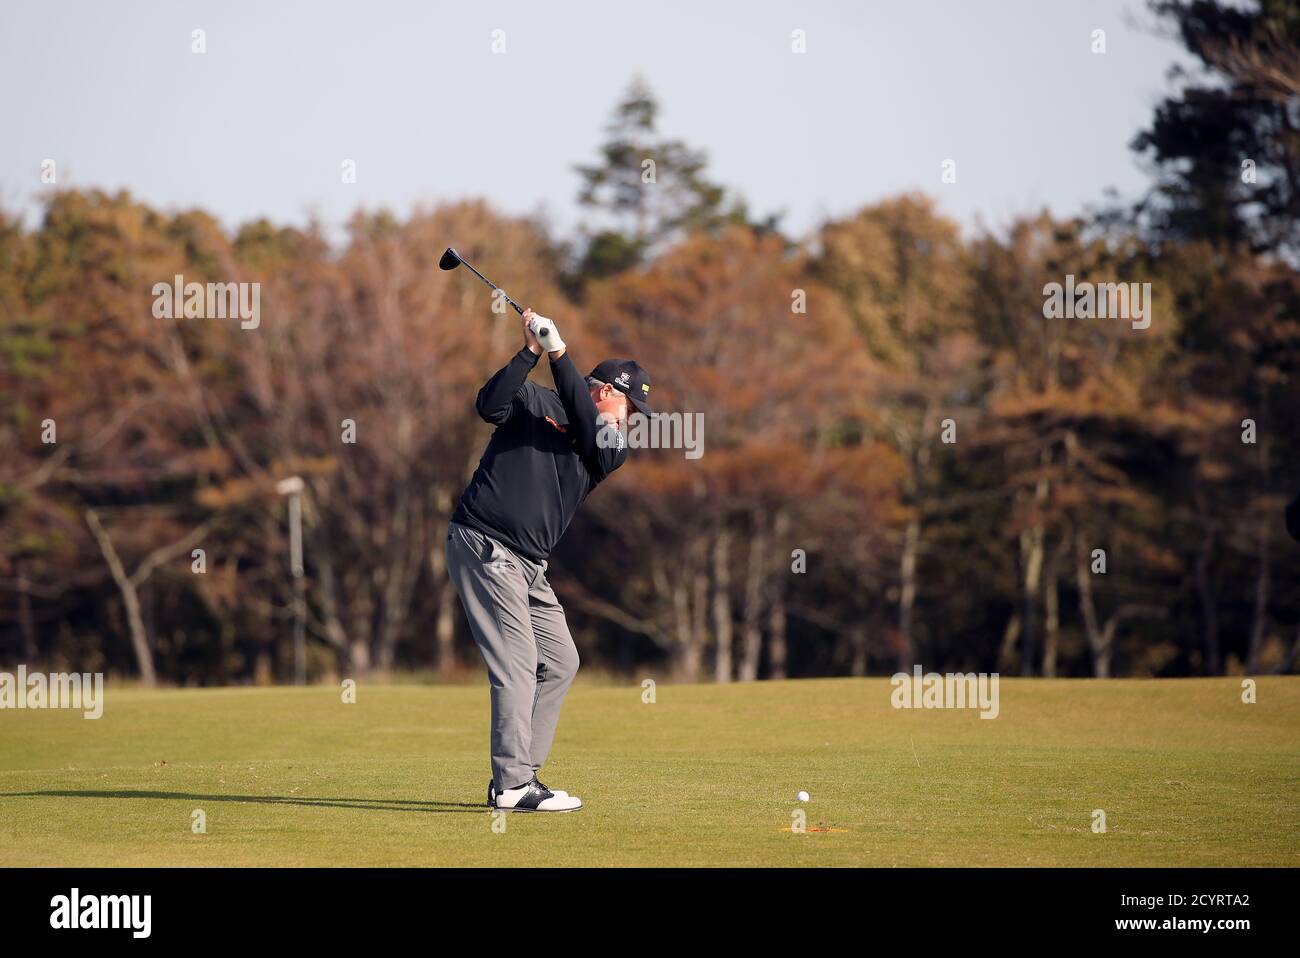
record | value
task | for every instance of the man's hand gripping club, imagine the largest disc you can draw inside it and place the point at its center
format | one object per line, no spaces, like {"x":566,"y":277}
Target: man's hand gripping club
{"x":540,"y":334}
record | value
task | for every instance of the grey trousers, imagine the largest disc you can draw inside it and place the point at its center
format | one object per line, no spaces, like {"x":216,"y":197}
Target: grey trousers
{"x":519,"y":628}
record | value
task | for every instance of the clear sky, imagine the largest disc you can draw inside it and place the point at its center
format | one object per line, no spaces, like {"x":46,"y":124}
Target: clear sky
{"x":260,"y":124}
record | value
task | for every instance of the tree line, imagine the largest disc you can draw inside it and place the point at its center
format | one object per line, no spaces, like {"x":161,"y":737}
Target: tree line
{"x":909,"y":459}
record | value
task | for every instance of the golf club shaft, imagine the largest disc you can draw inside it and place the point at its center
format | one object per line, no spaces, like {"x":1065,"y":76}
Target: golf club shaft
{"x":518,"y":309}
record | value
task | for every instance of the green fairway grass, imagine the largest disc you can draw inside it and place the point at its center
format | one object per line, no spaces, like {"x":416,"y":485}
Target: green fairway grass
{"x":1185,"y":772}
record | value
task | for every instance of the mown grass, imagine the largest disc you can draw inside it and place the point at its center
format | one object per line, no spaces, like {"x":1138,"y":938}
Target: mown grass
{"x":1185,"y":772}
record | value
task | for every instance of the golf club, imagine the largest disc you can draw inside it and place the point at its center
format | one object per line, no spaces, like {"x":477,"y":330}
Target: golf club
{"x":451,"y":259}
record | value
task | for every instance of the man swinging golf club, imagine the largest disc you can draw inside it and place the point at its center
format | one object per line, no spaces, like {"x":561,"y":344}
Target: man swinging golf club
{"x":549,"y":450}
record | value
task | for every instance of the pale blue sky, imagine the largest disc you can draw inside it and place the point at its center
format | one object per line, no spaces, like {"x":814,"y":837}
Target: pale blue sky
{"x":260,"y":124}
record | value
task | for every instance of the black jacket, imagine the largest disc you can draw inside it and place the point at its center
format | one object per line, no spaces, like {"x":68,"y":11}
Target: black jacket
{"x":543,"y":459}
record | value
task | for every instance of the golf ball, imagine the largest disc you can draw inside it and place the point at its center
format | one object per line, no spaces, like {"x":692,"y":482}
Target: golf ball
{"x":802,"y":796}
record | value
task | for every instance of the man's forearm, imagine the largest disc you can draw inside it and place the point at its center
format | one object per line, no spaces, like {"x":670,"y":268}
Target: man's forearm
{"x":576,"y":399}
{"x":496,"y":398}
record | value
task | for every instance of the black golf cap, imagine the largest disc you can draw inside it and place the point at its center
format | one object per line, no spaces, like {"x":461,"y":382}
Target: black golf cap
{"x":627,"y":377}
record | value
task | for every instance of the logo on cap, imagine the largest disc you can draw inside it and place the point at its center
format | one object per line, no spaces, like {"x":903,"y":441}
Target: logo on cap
{"x":624,"y":379}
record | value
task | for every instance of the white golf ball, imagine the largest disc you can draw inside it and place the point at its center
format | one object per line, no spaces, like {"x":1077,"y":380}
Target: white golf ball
{"x":802,"y":796}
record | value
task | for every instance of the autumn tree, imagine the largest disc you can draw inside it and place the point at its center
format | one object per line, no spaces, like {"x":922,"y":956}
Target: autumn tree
{"x":736,"y":330}
{"x":900,"y":269}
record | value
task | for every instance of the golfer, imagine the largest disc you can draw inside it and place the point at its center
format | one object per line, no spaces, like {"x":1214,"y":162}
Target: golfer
{"x":549,"y":450}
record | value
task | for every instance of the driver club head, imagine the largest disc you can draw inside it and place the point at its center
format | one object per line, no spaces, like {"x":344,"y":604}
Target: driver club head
{"x":451,"y":259}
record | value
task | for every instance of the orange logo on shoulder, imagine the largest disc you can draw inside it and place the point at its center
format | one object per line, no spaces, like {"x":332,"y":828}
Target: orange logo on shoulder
{"x":556,"y":424}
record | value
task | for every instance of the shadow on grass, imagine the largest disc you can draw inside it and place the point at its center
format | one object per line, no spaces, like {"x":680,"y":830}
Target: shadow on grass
{"x":365,"y":804}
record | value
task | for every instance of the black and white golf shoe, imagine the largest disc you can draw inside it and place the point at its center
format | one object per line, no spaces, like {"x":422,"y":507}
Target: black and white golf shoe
{"x":492,"y":792}
{"x":532,"y":796}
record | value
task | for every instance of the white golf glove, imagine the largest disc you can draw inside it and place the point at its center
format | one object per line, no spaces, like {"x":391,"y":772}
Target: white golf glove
{"x":547,"y":335}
